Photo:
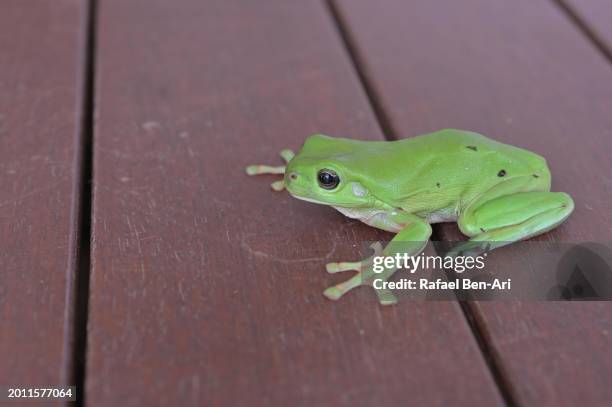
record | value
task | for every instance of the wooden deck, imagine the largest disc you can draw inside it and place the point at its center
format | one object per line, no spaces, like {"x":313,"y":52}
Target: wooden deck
{"x":140,"y":263}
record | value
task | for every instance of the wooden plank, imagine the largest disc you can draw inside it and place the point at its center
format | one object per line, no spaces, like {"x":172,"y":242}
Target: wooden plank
{"x":207,"y":286}
{"x":521,"y":73}
{"x":596,"y":15}
{"x":40,"y":92}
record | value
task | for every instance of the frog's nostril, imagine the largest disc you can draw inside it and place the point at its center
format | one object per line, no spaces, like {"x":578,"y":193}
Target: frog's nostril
{"x":293,"y":176}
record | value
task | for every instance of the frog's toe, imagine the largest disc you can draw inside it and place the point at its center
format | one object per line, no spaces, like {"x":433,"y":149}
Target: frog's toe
{"x":264,"y":169}
{"x":343,"y":266}
{"x":278,"y":185}
{"x":333,"y":293}
{"x":386,"y":297}
{"x":337,"y":291}
{"x":355,"y":265}
{"x":287,"y":155}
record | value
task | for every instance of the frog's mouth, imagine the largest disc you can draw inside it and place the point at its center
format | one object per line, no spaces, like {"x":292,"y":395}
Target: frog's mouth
{"x":303,"y":198}
{"x":302,"y":194}
{"x":307,"y":198}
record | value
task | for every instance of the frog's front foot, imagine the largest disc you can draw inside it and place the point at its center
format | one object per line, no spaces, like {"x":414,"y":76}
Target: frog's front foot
{"x":286,"y":155}
{"x":365,"y":276}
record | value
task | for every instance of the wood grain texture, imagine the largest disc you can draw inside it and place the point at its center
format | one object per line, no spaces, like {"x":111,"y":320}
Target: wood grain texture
{"x":597,"y":15}
{"x":40,"y":91}
{"x":206,"y":287}
{"x":521,"y":73}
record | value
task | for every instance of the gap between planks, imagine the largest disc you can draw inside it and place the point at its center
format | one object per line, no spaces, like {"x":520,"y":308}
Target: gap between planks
{"x":84,"y":205}
{"x":583,"y":26}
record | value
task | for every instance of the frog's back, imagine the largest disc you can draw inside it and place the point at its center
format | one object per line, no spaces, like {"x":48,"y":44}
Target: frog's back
{"x":452,"y":141}
{"x":439,"y":170}
{"x":470,"y":147}
{"x":453,"y":157}
{"x":452,"y":167}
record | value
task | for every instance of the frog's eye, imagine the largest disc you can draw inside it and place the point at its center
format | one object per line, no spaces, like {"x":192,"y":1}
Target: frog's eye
{"x":328,"y":179}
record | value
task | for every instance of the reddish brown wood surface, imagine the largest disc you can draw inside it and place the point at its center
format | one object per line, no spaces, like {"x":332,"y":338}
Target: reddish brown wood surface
{"x":40,"y":55}
{"x":521,"y":73}
{"x":206,"y":286}
{"x":596,"y":15}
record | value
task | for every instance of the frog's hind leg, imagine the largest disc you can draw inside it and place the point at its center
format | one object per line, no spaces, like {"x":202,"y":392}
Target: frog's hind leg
{"x":286,"y":155}
{"x":509,"y":218}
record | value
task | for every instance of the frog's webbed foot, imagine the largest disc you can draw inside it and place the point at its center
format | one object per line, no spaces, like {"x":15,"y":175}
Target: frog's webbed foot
{"x":365,"y":276}
{"x":286,"y":155}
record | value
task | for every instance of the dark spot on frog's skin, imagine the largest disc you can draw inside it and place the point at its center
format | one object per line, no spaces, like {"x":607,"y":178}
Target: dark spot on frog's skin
{"x":472,"y":148}
{"x":438,"y":184}
{"x":536,"y":176}
{"x":482,"y":230}
{"x":501,"y":173}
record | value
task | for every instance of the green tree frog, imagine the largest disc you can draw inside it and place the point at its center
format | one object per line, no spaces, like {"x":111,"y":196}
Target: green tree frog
{"x":496,"y":193}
